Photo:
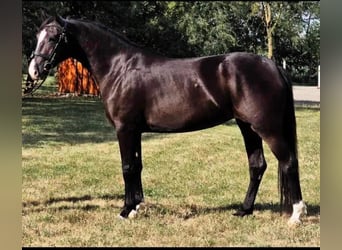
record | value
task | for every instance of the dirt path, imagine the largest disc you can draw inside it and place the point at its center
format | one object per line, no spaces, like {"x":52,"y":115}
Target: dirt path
{"x":307,"y":95}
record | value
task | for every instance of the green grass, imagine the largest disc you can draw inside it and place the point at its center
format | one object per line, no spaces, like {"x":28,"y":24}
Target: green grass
{"x":72,"y":188}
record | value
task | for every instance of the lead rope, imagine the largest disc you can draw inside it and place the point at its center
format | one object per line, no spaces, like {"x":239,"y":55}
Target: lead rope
{"x":31,"y":86}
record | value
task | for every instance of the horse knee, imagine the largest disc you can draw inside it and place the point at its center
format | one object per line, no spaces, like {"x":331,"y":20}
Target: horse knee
{"x":130,"y":169}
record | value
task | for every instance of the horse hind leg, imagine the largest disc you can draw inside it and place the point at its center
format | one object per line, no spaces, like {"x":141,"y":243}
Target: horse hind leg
{"x":289,"y":183}
{"x":257,"y":166}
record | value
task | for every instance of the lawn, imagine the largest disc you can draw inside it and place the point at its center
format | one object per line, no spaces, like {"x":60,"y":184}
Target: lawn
{"x":72,"y":186}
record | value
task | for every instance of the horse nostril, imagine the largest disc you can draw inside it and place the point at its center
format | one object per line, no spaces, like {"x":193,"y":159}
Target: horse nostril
{"x":33,"y":70}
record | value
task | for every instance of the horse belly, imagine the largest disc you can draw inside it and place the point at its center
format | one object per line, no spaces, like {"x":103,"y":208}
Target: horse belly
{"x":183,"y":117}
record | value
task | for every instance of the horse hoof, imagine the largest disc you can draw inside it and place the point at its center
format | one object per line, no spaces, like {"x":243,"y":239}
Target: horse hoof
{"x":132,"y":214}
{"x":294,"y":222}
{"x":242,"y":213}
{"x":299,"y":210}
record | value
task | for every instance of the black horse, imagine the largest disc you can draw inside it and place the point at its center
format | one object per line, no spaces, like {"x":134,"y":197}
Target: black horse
{"x":145,"y":92}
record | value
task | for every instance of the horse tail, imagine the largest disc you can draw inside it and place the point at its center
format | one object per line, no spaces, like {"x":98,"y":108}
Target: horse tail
{"x":290,"y":135}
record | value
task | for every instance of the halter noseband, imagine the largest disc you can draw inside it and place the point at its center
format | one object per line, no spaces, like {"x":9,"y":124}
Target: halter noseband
{"x":32,"y":86}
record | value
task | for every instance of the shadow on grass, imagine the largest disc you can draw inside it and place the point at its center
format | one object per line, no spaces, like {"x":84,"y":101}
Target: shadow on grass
{"x":67,"y":120}
{"x":308,"y":105}
{"x":74,"y":203}
{"x":73,"y":199}
{"x":190,"y":211}
{"x":185,"y":211}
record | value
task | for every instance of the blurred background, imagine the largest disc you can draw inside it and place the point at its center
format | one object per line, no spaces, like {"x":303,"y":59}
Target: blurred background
{"x":287,"y":32}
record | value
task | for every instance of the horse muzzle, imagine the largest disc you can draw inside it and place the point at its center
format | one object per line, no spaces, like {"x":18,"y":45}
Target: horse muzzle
{"x":36,"y":72}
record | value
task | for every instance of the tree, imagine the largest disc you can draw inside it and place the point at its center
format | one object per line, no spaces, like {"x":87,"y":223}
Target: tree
{"x":267,"y":17}
{"x":205,"y":26}
{"x":270,"y":13}
{"x":281,"y":30}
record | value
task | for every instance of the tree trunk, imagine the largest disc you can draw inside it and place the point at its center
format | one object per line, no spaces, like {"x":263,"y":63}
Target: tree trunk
{"x":269,"y":29}
{"x":269,"y":44}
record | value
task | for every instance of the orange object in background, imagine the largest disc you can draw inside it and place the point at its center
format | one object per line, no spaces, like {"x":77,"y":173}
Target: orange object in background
{"x":76,"y":79}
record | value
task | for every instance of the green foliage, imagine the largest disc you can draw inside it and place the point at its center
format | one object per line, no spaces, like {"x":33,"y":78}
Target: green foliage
{"x":205,"y":26}
{"x":186,"y":29}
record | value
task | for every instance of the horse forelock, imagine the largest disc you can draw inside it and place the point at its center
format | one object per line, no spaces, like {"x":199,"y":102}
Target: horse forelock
{"x":50,"y":23}
{"x":45,"y":23}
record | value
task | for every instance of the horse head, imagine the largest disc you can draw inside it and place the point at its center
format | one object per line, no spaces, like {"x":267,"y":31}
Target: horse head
{"x":51,"y":43}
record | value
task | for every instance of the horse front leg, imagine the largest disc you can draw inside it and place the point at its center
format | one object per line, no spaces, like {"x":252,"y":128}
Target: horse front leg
{"x":130,"y":150}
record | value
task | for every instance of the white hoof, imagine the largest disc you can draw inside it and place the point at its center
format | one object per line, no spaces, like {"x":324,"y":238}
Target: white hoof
{"x":299,"y":209}
{"x":294,"y":222}
{"x":121,"y":217}
{"x":131,"y":214}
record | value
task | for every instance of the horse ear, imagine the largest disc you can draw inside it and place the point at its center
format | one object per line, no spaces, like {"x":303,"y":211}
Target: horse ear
{"x":60,"y":20}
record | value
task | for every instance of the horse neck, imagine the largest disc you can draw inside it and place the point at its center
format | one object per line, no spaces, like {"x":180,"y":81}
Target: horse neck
{"x":100,"y":49}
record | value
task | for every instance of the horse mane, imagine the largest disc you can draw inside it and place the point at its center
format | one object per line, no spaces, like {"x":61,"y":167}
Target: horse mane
{"x":118,"y":36}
